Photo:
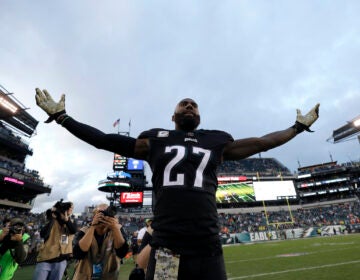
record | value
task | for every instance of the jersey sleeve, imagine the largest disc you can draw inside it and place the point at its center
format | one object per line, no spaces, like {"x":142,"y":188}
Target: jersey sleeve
{"x":227,"y":137}
{"x":111,"y":142}
{"x":219,"y":136}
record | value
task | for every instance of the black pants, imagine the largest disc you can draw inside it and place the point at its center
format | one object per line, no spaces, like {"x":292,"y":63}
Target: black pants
{"x":194,"y":267}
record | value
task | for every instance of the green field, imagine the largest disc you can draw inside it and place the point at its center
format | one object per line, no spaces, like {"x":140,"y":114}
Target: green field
{"x":336,"y":257}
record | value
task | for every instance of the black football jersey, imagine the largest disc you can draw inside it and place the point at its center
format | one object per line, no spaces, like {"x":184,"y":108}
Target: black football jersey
{"x":184,"y":180}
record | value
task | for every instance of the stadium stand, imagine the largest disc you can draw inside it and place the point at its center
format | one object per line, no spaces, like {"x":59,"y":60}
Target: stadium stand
{"x":328,"y":181}
{"x":321,"y":214}
{"x":253,"y":167}
{"x":324,"y":217}
{"x":19,"y":185}
{"x":327,"y":195}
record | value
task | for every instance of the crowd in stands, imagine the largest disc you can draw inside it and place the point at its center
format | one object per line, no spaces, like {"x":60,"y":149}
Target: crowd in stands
{"x":16,"y":170}
{"x":7,"y":134}
{"x":272,"y":167}
{"x":326,"y":196}
{"x":12,"y":164}
{"x":328,"y":167}
{"x":254,"y":166}
{"x":346,"y":214}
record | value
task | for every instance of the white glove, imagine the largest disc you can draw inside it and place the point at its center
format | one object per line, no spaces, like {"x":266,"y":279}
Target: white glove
{"x":45,"y":102}
{"x":307,"y":120}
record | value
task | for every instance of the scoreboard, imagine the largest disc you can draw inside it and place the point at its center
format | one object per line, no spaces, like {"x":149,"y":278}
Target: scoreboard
{"x":126,"y":184}
{"x":120,"y":162}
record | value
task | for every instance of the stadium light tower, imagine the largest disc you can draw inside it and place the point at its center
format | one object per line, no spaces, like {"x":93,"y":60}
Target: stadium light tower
{"x":7,"y":105}
{"x":6,"y":102}
{"x":348,"y":131}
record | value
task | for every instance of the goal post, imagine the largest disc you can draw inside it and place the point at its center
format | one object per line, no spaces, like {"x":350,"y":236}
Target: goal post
{"x":278,"y":223}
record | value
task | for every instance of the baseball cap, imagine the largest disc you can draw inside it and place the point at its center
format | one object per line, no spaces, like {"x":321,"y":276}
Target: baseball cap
{"x":148,"y":220}
{"x":17,"y":221}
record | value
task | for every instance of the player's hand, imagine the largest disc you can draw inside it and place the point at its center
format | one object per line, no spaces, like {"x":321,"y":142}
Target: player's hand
{"x":46,"y":102}
{"x":309,"y":118}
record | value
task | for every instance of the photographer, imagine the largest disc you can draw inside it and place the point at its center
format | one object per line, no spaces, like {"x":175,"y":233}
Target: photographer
{"x":99,"y":246}
{"x":13,"y":247}
{"x":57,"y":234}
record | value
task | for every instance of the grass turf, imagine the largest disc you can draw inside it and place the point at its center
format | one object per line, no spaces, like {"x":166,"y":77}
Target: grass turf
{"x":336,"y":257}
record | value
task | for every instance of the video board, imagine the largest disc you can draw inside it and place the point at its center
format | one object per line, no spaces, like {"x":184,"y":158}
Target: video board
{"x":274,"y":190}
{"x":235,"y":192}
{"x":135,"y":164}
{"x":131,"y":199}
{"x":120,"y":162}
{"x":244,"y":190}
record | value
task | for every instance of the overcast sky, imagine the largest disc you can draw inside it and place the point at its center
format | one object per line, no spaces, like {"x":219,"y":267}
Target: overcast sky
{"x":248,"y":64}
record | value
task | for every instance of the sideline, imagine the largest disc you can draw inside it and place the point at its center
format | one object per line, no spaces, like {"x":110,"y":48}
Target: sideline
{"x":294,"y":270}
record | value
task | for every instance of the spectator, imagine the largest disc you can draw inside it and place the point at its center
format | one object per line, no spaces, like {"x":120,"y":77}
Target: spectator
{"x":143,"y":230}
{"x":134,"y":245}
{"x":13,"y":247}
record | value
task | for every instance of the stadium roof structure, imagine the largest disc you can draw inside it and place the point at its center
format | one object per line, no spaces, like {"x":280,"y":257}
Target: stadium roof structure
{"x":14,"y":113}
{"x":347,"y":132}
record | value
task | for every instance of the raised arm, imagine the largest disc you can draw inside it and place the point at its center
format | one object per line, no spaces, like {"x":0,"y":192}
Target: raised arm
{"x":243,"y":148}
{"x":116,"y":143}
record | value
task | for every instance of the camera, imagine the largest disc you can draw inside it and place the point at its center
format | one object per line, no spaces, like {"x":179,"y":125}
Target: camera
{"x":16,"y":229}
{"x":109,"y":212}
{"x":16,"y":226}
{"x":61,"y":207}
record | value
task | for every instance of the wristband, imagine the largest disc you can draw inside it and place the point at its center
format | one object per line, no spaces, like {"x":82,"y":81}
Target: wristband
{"x":55,"y":116}
{"x":64,"y":119}
{"x":299,"y":127}
{"x":61,"y":117}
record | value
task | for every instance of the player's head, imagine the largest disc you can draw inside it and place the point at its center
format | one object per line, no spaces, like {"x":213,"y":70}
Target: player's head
{"x":186,"y":115}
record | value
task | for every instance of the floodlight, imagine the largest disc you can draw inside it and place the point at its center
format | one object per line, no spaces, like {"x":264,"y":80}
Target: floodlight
{"x":7,"y":105}
{"x":357,"y":123}
{"x":347,"y":131}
